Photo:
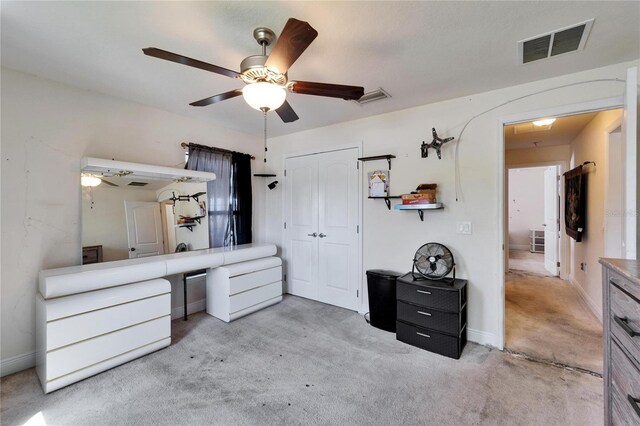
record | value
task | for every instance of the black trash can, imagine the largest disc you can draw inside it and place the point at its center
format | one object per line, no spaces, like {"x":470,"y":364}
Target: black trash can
{"x":382,"y":298}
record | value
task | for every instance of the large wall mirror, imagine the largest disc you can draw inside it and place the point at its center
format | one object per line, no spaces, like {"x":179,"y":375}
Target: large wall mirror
{"x":132,"y":210}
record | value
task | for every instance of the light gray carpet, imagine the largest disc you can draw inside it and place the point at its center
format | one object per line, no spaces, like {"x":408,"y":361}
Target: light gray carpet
{"x":302,"y":362}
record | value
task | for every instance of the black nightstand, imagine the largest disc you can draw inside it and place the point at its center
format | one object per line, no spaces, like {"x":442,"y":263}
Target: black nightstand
{"x":432,"y":315}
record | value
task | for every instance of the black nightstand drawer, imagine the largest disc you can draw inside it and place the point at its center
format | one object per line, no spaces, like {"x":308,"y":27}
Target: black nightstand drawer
{"x":429,"y":297}
{"x":431,"y":340}
{"x":446,"y":322}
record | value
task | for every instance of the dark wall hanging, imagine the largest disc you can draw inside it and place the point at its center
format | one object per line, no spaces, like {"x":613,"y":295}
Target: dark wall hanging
{"x":575,"y":201}
{"x":435,"y":144}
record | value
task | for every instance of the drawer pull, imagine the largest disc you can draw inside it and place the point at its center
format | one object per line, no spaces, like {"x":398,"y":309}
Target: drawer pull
{"x":422,"y":334}
{"x":634,"y":403}
{"x":424,"y":313}
{"x":423,"y":292}
{"x":624,"y":323}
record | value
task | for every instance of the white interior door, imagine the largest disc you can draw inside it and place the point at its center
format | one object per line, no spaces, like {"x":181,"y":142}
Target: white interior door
{"x":629,"y":137}
{"x":321,"y":245}
{"x":144,"y":228}
{"x":338,"y":234}
{"x":614,"y":198}
{"x":301,"y":226}
{"x":551,"y":220}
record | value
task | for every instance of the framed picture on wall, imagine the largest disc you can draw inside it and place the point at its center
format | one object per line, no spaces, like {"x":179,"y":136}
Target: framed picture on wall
{"x":575,"y":190}
{"x":379,"y":183}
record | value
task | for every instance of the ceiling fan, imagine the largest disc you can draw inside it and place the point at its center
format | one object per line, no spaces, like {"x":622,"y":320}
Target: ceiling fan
{"x":265,"y":75}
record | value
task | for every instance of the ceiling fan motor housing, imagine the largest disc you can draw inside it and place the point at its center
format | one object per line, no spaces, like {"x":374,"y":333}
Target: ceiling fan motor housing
{"x":253,"y":71}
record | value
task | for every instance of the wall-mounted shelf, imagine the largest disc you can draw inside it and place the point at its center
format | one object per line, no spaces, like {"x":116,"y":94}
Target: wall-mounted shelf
{"x":387,"y":157}
{"x":264,"y":175}
{"x":190,"y":225}
{"x":387,"y":199}
{"x":419,"y":207}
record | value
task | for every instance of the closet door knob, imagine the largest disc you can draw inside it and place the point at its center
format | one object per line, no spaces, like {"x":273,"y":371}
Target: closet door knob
{"x":322,"y":235}
{"x":313,"y":235}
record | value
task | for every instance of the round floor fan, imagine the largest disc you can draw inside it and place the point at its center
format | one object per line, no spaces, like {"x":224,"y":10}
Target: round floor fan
{"x":433,"y":261}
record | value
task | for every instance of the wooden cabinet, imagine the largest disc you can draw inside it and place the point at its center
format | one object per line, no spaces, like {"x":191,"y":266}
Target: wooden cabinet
{"x":621,"y":341}
{"x":91,"y":254}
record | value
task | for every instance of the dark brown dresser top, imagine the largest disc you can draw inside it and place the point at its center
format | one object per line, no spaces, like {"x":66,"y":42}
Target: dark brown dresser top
{"x":626,"y":267}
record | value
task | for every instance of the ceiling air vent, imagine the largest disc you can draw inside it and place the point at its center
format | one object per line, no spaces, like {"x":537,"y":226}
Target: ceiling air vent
{"x":373,"y":96}
{"x":138,"y":183}
{"x":563,"y":40}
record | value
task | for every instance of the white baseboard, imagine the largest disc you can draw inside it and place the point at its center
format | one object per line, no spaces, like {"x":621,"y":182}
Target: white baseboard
{"x":17,"y":363}
{"x":519,"y":247}
{"x":595,"y":308}
{"x":482,"y":337}
{"x":197,"y":306}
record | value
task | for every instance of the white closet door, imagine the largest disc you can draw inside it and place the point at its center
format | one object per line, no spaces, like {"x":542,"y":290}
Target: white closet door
{"x":301,"y":218}
{"x":337,"y":230}
{"x":144,"y":229}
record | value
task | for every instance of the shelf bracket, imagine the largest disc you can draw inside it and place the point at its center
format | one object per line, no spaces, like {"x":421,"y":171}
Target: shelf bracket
{"x":189,"y":227}
{"x":389,"y":161}
{"x":421,"y":214}
{"x":387,"y":201}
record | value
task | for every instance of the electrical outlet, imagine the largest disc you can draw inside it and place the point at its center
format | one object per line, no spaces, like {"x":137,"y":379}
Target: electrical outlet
{"x":463,"y":228}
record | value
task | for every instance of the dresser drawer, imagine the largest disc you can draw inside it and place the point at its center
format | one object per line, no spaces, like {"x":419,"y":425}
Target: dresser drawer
{"x":446,"y":322}
{"x":625,"y":319}
{"x":252,"y":297}
{"x":625,"y":383}
{"x":431,"y":340}
{"x":252,"y":280}
{"x":429,"y":297}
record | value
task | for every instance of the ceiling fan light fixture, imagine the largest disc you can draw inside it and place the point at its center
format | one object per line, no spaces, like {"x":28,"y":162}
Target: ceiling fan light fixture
{"x":90,"y":181}
{"x":264,"y":96}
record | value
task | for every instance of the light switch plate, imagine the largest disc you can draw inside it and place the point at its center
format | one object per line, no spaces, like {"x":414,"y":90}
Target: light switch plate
{"x":463,"y":228}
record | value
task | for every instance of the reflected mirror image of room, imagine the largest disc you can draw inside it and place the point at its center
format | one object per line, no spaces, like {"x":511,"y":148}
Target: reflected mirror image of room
{"x":261,"y":213}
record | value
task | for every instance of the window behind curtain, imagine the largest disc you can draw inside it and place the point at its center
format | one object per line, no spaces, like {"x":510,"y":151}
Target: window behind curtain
{"x":229,"y":195}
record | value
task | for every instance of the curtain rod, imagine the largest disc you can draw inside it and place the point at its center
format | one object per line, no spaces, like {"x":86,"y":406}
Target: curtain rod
{"x":185,"y":145}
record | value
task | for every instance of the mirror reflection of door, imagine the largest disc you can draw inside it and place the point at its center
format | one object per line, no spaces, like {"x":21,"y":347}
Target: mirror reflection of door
{"x":144,"y":229}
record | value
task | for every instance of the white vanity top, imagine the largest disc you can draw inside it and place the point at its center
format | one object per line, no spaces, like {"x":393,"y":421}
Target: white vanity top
{"x":78,"y":279}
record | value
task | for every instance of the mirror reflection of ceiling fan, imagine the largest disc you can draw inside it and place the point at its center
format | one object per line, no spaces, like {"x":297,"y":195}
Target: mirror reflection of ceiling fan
{"x":95,"y":179}
{"x":265,"y":75}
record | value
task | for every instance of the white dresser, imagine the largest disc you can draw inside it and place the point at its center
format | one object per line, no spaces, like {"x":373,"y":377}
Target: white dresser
{"x":91,"y":318}
{"x":239,"y":289}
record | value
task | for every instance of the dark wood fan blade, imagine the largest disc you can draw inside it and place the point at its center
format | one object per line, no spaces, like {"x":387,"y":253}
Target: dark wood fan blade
{"x":217,"y":98}
{"x":174,"y":57}
{"x":296,"y":36}
{"x":330,"y":90}
{"x":286,"y":113}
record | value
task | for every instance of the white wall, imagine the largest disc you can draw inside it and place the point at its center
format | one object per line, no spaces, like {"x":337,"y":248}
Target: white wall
{"x":525,"y":204}
{"x":591,"y":145}
{"x":46,"y":128}
{"x":400,"y":133}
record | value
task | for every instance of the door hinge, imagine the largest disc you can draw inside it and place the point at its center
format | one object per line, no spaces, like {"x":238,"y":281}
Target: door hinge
{"x":285,"y":278}
{"x":357,"y":229}
{"x":558,"y":264}
{"x":357,"y":293}
{"x":358,"y":165}
{"x":285,"y":225}
{"x":285,"y":172}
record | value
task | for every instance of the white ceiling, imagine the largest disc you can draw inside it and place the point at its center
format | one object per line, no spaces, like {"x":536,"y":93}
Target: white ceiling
{"x":419,"y":52}
{"x":562,"y":132}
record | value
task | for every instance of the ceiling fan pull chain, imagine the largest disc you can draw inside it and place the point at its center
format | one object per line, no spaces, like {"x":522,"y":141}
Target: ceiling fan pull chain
{"x":265,"y":136}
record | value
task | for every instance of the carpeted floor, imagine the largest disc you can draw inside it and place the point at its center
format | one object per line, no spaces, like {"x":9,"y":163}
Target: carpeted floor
{"x":546,"y":319}
{"x":522,"y":260}
{"x":303,"y":362}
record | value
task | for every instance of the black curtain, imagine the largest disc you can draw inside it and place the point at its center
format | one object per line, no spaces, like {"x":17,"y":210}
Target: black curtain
{"x":229,"y":195}
{"x":242,"y":197}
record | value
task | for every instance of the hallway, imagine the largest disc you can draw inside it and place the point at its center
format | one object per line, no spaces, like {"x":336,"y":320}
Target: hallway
{"x":546,"y":318}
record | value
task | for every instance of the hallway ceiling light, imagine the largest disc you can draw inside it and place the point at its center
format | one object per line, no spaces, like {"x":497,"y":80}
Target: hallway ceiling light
{"x":544,"y":122}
